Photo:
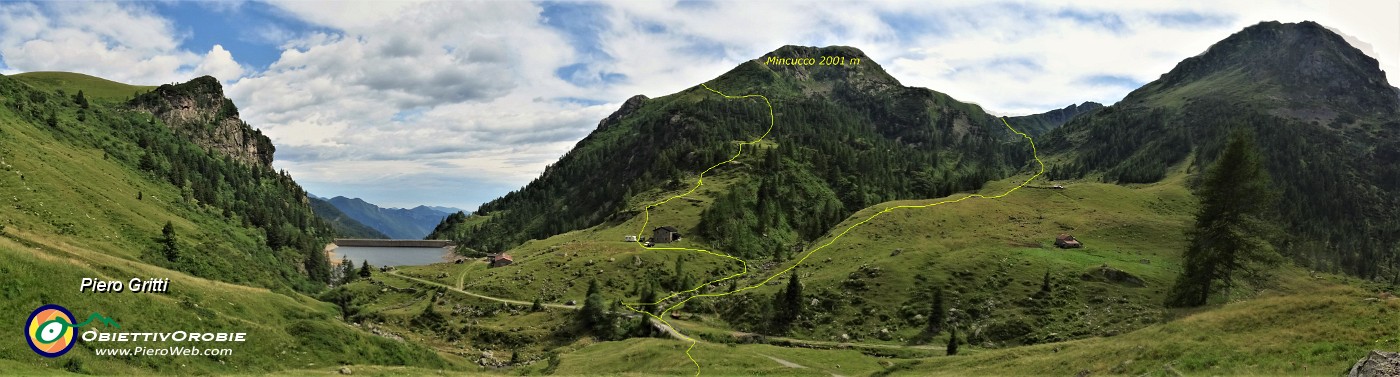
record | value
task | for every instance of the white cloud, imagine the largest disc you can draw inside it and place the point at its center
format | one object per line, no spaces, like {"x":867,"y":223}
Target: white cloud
{"x":118,"y":41}
{"x":220,"y":64}
{"x":456,"y":89}
{"x":383,"y":92}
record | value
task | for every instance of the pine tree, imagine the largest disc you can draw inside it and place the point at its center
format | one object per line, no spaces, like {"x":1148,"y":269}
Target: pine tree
{"x":938,"y":314}
{"x":80,"y":99}
{"x":952,"y":340}
{"x":1233,"y":227}
{"x":538,"y":305}
{"x":648,"y":299}
{"x":591,"y":316}
{"x":1045,"y":284}
{"x":366,"y":270}
{"x":788,"y":304}
{"x":169,"y":249}
{"x":347,"y":270}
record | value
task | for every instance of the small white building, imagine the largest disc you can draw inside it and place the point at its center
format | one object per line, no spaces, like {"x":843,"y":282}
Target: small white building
{"x":629,"y":239}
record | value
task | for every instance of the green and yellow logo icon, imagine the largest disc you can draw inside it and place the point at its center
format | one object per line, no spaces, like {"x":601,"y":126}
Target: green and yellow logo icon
{"x":50,"y":330}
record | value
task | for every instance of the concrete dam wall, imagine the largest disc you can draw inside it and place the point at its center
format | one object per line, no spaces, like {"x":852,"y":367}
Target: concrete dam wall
{"x":391,"y":243}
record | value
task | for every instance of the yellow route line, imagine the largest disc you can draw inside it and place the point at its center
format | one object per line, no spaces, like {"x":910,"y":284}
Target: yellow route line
{"x":701,"y":181}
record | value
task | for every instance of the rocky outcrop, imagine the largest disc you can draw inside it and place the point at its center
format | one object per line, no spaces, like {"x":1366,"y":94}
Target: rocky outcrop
{"x":199,"y":111}
{"x":627,"y":109}
{"x":1108,"y":274}
{"x":1377,"y":364}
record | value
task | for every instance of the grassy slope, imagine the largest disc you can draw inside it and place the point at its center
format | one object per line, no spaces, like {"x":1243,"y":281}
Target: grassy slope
{"x":469,"y":325}
{"x":999,"y":249}
{"x":1002,"y":247}
{"x":557,"y":269}
{"x":70,"y":213}
{"x":1304,"y":326}
{"x":71,"y":83}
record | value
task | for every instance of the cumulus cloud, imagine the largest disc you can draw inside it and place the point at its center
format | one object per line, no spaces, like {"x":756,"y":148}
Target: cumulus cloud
{"x":475,"y":98}
{"x":220,"y":64}
{"x":125,"y":42}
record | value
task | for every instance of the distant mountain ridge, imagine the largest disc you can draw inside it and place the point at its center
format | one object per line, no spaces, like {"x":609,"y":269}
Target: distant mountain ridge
{"x":396,"y":223}
{"x":1039,"y":124}
{"x":1323,"y":115}
{"x":344,"y":225}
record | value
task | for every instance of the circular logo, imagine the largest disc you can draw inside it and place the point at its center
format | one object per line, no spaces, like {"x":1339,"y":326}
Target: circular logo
{"x":50,"y":330}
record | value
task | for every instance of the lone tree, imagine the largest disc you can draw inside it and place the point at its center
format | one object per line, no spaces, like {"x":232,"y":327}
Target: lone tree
{"x":789,"y":305}
{"x":648,"y":301}
{"x":80,"y":99}
{"x":169,"y":249}
{"x":592,"y":315}
{"x":937,"y":313}
{"x":347,"y":270}
{"x":1232,"y":228}
{"x":952,"y":340}
{"x":366,"y":270}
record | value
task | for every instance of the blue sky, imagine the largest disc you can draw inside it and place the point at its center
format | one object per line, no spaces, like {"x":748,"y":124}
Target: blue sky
{"x":454,"y":103}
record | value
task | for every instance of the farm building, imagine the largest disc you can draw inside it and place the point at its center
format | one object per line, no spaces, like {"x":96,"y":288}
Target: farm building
{"x":665,"y":234}
{"x":499,"y":260}
{"x":1066,"y":241}
{"x":629,"y":239}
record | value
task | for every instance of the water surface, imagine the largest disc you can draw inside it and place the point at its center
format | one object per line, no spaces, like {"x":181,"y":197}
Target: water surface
{"x":392,"y":256}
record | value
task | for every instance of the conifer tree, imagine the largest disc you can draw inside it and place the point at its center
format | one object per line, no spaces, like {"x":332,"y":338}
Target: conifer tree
{"x":169,"y":249}
{"x":938,"y":314}
{"x":347,"y":270}
{"x":788,"y":304}
{"x":365,"y":270}
{"x":1233,"y":227}
{"x":592,"y":316}
{"x":952,"y":340}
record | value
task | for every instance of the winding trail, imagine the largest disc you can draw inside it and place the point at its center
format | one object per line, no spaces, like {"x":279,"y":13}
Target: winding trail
{"x":700,"y":181}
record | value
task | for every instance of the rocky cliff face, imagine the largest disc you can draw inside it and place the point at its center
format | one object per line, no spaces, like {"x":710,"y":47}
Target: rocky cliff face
{"x":199,"y":111}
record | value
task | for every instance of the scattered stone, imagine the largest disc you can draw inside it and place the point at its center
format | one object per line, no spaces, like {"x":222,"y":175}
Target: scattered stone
{"x":896,"y":252}
{"x":570,"y":303}
{"x":1377,"y":364}
{"x":1112,"y":275}
{"x":1082,"y":373}
{"x":345,"y":370}
{"x":637,"y":260}
{"x":1144,"y":261}
{"x":845,"y":337}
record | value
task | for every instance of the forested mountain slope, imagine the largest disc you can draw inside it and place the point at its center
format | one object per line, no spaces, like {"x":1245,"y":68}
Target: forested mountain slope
{"x":1323,"y":115}
{"x":844,"y":137}
{"x":261,"y":230}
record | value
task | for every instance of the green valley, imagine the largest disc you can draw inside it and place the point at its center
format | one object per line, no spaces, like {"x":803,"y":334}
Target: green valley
{"x":783,"y":215}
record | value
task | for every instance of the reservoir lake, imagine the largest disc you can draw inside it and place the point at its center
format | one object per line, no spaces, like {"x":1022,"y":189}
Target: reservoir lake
{"x":393,"y":256}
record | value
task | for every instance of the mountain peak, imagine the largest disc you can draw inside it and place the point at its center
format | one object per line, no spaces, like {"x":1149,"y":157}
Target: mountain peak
{"x":807,"y":70}
{"x":810,"y":63}
{"x":1298,"y":63}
